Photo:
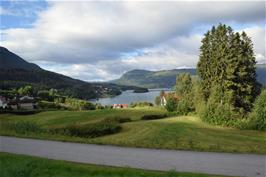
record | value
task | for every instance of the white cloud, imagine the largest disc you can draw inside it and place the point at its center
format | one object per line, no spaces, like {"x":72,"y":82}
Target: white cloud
{"x":258,"y":36}
{"x":101,"y":40}
{"x":4,"y":11}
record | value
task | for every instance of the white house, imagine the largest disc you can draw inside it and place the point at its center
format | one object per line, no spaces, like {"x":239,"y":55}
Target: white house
{"x":118,"y":106}
{"x":24,"y":102}
{"x":163,"y":101}
{"x":3,"y":102}
{"x":27,"y":102}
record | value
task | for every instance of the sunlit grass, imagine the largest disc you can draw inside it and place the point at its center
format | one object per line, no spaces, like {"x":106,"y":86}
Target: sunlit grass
{"x":26,"y":166}
{"x":183,"y":133}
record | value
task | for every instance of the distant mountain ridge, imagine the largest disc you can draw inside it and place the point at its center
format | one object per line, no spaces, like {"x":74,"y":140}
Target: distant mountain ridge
{"x":152,"y":79}
{"x":261,"y":73}
{"x":167,"y":78}
{"x":16,"y":72}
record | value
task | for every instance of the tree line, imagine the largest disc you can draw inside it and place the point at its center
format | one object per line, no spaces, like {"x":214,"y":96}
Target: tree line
{"x":226,"y":91}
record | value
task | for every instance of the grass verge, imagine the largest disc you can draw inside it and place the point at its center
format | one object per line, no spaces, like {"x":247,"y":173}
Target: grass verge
{"x":27,"y":166}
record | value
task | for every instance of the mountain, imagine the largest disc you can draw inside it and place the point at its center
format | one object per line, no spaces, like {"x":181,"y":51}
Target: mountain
{"x":152,"y":79}
{"x":16,"y":72}
{"x":167,"y":78}
{"x":10,"y":60}
{"x":261,"y":73}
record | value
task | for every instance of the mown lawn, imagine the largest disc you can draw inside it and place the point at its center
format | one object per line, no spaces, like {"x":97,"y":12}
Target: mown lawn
{"x":183,"y":133}
{"x":60,"y":118}
{"x":26,"y":166}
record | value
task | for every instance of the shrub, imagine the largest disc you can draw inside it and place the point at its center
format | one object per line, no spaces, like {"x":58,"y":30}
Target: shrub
{"x":171,"y":104}
{"x":23,"y":127}
{"x":222,"y":114}
{"x":141,"y":104}
{"x":89,"y":130}
{"x":157,"y":101}
{"x":19,"y":112}
{"x":217,"y":114}
{"x":258,"y":115}
{"x":153,"y":116}
{"x":77,"y":104}
{"x":183,"y":107}
{"x":117,"y":119}
{"x":49,"y":105}
{"x":89,"y":106}
{"x":99,"y":106}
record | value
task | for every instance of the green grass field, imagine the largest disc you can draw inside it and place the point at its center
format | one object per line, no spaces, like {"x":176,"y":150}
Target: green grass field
{"x":183,"y":133}
{"x":26,"y":166}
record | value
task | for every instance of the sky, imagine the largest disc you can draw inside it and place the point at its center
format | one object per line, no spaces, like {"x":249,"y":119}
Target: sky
{"x":101,"y":40}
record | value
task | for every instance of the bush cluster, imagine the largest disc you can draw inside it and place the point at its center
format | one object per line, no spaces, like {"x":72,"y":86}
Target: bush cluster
{"x":171,"y":103}
{"x":69,"y":104}
{"x":141,"y":104}
{"x":50,"y":105}
{"x":258,"y":116}
{"x":23,"y":127}
{"x":117,"y":119}
{"x":19,"y":112}
{"x":77,"y":104}
{"x":89,"y":130}
{"x":183,"y":107}
{"x":153,"y":116}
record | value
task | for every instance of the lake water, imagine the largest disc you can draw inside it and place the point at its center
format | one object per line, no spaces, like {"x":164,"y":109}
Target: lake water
{"x":129,"y":96}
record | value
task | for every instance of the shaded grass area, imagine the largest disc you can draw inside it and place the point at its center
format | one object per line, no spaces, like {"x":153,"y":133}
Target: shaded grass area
{"x":60,"y":118}
{"x":183,"y":133}
{"x":27,"y":166}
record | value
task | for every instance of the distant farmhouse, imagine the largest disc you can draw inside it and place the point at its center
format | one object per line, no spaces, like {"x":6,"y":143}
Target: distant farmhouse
{"x":163,"y":97}
{"x":25,"y":102}
{"x":118,"y":106}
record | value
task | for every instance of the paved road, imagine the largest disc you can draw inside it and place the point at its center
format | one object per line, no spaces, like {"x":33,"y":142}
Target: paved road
{"x":151,"y":159}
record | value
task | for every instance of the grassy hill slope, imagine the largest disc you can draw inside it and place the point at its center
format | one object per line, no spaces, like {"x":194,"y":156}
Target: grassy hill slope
{"x":183,"y":132}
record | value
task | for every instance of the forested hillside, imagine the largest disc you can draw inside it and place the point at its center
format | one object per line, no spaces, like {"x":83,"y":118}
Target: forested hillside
{"x":152,"y":79}
{"x":167,"y":78}
{"x":16,"y":72}
{"x":9,"y":60}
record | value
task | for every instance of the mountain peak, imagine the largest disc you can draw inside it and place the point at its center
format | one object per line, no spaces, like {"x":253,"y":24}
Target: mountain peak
{"x":3,"y":48}
{"x":9,"y":60}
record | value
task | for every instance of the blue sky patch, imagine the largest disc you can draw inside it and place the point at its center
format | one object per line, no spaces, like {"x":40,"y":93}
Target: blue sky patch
{"x":20,"y":14}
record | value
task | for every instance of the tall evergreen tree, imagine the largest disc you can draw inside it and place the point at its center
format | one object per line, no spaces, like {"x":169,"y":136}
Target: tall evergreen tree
{"x":227,"y":60}
{"x":183,"y":84}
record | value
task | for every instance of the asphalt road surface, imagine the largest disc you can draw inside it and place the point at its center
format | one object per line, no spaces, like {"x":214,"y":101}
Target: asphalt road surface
{"x":250,"y":165}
